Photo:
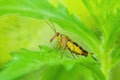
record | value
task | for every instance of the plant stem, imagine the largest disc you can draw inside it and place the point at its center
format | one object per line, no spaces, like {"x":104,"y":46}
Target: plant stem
{"x":105,"y":64}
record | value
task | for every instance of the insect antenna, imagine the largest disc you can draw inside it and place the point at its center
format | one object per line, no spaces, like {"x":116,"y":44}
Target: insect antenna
{"x":51,"y":26}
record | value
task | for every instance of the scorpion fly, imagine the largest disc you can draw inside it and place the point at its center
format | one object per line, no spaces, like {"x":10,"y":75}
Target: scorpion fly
{"x":66,"y":43}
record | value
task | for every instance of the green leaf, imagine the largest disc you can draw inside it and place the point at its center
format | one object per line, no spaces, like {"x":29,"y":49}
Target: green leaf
{"x":101,"y":11}
{"x":113,"y":23}
{"x":31,"y":8}
{"x":106,"y":14}
{"x":50,"y":64}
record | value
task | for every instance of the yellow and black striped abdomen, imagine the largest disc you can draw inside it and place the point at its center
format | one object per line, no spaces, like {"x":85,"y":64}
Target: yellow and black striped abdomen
{"x":74,"y":47}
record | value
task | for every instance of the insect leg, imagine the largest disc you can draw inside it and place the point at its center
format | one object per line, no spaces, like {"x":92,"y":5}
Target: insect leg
{"x":72,"y":55}
{"x":64,"y":48}
{"x":77,"y":55}
{"x":63,"y":45}
{"x":62,"y":53}
{"x":56,"y":47}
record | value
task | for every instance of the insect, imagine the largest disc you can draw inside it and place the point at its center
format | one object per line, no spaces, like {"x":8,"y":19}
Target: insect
{"x":66,"y":43}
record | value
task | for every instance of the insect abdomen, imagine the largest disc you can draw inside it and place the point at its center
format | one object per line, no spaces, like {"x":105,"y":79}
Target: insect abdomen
{"x":75,"y":48}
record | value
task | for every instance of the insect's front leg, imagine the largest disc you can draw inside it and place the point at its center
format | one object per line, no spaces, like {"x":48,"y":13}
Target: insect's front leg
{"x":55,"y":47}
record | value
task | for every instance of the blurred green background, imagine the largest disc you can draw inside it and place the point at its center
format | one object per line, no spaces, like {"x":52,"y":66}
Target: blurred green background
{"x":20,"y":31}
